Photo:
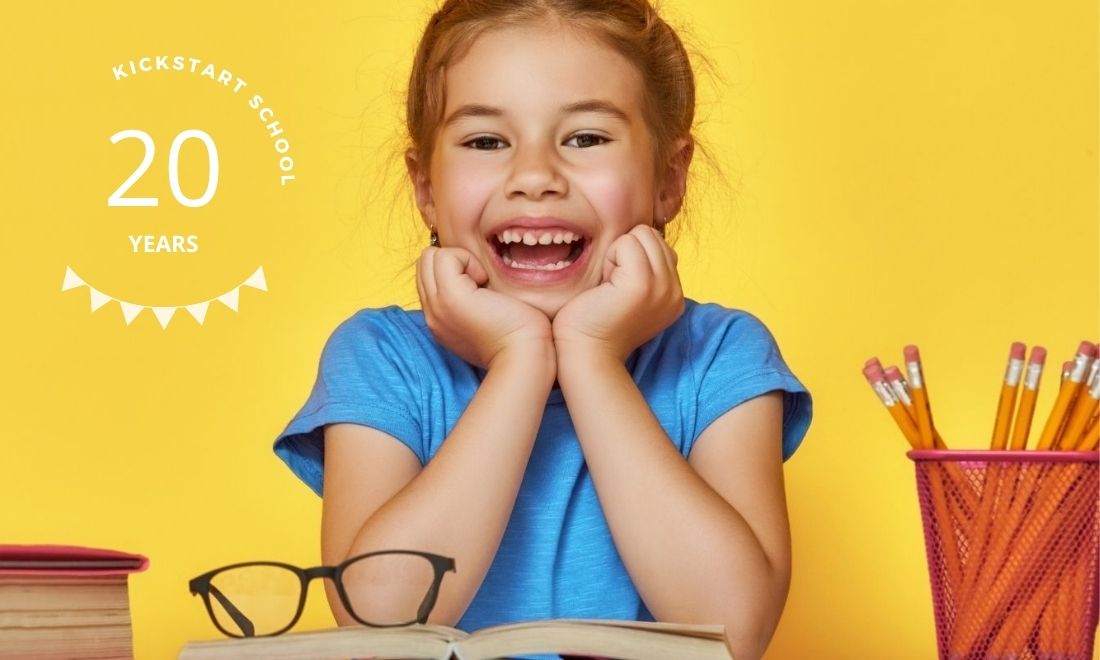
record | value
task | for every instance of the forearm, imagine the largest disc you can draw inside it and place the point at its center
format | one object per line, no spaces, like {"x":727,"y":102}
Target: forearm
{"x":691,"y":555}
{"x":460,"y":502}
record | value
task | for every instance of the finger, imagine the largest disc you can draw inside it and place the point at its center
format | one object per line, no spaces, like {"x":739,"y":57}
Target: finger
{"x":627,"y":257}
{"x":420,"y":286}
{"x":426,"y":271}
{"x":477,"y":271}
{"x":671,"y":258}
{"x":670,"y":254}
{"x":452,"y":266}
{"x":655,"y":249}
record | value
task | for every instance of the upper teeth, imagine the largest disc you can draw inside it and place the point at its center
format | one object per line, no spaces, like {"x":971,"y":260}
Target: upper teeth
{"x":540,"y":238}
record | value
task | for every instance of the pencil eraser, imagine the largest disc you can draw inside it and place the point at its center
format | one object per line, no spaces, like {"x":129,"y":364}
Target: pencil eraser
{"x":1087,"y":348}
{"x":1017,"y":351}
{"x":873,"y":373}
{"x":872,"y":361}
{"x":893,"y":373}
{"x":911,"y":353}
{"x":1038,"y":355}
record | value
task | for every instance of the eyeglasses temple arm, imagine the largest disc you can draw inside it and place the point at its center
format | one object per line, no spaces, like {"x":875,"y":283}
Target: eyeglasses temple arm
{"x":238,"y":617}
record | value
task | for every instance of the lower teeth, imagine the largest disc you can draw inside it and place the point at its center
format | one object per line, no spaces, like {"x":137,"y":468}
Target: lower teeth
{"x":548,"y":267}
{"x":506,"y":257}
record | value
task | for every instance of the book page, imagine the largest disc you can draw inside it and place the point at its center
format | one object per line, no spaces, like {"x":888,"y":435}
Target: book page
{"x":635,"y":640}
{"x":419,"y":641}
{"x":706,"y":631}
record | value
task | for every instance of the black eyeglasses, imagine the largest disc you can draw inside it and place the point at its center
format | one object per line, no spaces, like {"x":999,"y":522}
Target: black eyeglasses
{"x":264,"y":598}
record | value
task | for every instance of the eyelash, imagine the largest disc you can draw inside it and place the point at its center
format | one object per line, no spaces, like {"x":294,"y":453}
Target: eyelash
{"x":486,"y":137}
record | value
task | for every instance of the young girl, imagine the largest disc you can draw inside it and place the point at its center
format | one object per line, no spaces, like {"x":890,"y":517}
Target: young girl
{"x":582,"y":440}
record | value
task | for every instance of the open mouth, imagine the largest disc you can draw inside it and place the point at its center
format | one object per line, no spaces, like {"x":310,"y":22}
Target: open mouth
{"x":538,"y":250}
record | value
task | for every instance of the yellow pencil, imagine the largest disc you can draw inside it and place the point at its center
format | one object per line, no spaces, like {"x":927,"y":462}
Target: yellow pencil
{"x":877,"y":378}
{"x":1066,"y":394}
{"x":1022,"y":426}
{"x":1007,"y":401}
{"x":901,"y":390}
{"x":1090,"y":439}
{"x":921,"y":404}
{"x":1088,"y":402}
{"x":1061,"y":441}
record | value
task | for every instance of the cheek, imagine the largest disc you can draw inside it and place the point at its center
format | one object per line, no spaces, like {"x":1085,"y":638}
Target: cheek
{"x":461,"y":191}
{"x":617,"y":197}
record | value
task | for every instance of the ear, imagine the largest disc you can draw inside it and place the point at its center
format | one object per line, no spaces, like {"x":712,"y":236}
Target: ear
{"x":672,"y":180}
{"x":422,"y":187}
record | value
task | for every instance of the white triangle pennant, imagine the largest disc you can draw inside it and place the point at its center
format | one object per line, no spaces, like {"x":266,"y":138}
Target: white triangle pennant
{"x":198,"y":311}
{"x":257,"y":280}
{"x":164,"y":314}
{"x":130,"y":310}
{"x":71,"y":280}
{"x":230,"y":298}
{"x":98,"y":299}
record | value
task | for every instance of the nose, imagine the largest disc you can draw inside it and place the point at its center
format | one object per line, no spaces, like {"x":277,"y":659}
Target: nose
{"x":535,"y":172}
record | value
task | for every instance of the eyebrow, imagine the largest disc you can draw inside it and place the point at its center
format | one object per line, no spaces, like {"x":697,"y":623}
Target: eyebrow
{"x":590,"y":105}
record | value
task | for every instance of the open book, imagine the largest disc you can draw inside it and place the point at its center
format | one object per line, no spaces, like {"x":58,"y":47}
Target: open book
{"x":626,"y":640}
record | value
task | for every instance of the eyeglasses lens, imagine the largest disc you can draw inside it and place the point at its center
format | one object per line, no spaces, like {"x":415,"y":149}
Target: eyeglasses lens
{"x":388,"y":589}
{"x":255,"y":600}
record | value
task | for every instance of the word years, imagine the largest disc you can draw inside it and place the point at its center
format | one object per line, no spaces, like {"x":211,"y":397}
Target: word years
{"x":144,"y":243}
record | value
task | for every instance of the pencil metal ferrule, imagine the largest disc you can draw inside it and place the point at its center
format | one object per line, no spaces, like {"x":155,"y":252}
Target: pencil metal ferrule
{"x":1080,"y":365}
{"x":915,"y":377}
{"x":901,"y":392}
{"x":884,"y":394}
{"x":1012,"y":373}
{"x":1031,"y":379}
{"x":1094,"y":370}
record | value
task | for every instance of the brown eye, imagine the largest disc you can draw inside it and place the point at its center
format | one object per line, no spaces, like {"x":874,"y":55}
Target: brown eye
{"x":579,"y":136}
{"x":483,"y":140}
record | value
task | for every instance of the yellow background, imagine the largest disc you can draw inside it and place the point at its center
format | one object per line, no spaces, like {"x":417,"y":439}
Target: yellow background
{"x":891,"y":173}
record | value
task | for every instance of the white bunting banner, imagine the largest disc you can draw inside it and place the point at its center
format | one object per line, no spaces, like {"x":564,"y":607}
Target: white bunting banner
{"x":130,"y":310}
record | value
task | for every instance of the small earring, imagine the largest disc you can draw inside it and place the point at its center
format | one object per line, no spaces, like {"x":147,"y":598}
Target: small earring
{"x":434,"y":237}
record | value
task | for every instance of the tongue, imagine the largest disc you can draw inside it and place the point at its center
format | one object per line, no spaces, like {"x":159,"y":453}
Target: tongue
{"x":540,"y":255}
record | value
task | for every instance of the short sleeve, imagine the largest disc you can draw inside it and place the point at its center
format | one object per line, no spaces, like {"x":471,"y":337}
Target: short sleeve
{"x":365,"y":376}
{"x":738,"y":359}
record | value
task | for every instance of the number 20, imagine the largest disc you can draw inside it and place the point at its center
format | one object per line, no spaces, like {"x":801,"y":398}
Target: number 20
{"x":116,"y":198}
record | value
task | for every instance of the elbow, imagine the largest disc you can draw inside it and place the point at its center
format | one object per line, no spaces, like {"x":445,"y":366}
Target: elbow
{"x":749,"y":638}
{"x":746,"y":647}
{"x":749,"y":631}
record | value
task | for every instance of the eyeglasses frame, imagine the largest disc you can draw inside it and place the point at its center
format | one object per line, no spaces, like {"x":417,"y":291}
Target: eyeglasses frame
{"x":201,"y":586}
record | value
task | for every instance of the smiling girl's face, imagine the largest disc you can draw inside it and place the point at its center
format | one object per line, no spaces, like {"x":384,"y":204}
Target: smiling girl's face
{"x":543,"y":141}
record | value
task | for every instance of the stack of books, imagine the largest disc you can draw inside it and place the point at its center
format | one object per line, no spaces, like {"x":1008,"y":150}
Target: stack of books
{"x":65,"y":601}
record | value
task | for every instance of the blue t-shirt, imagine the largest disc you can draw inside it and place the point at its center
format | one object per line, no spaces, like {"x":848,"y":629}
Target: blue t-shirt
{"x":382,"y":368}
